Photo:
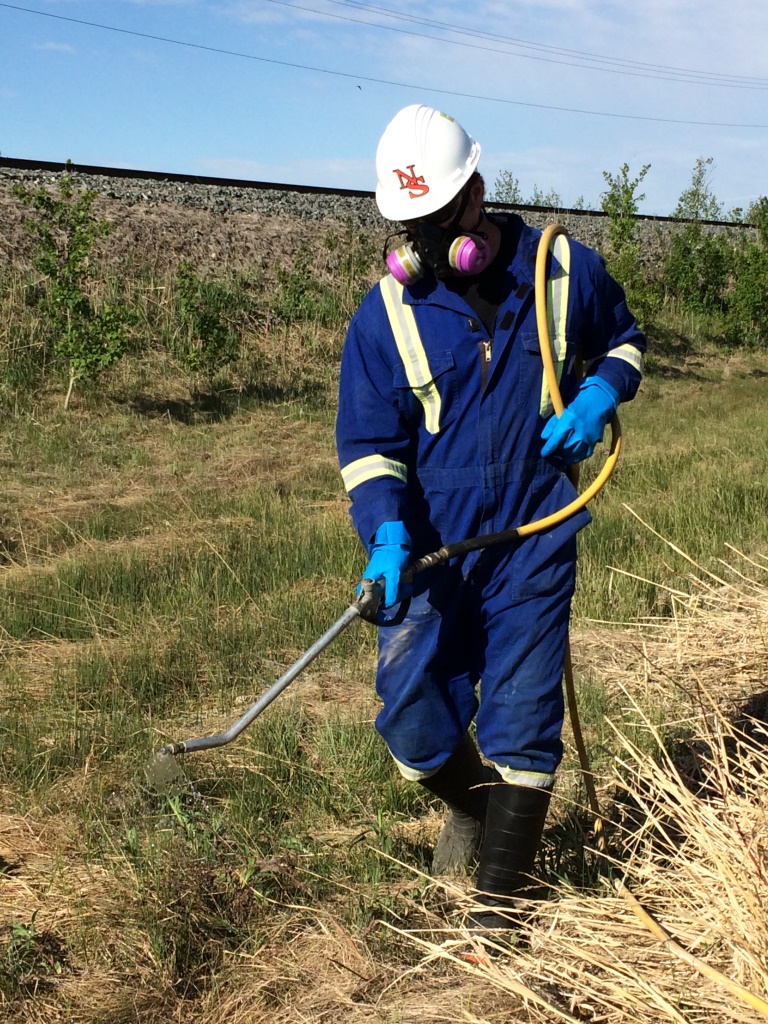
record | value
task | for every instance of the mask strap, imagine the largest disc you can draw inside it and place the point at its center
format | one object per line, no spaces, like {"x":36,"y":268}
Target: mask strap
{"x":480,"y":217}
{"x":385,"y":248}
{"x":460,"y":212}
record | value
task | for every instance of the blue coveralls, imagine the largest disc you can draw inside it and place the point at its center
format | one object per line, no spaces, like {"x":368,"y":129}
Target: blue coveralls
{"x":443,"y":433}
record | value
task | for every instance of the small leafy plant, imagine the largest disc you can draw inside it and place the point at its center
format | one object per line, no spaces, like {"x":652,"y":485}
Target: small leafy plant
{"x":88,"y":340}
{"x":506,"y":189}
{"x":621,"y":202}
{"x":209,"y":339}
{"x":30,"y":956}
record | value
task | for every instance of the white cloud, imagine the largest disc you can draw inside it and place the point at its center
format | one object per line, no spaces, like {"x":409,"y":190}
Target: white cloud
{"x":160,"y":3}
{"x":528,"y":105}
{"x":55,"y":47}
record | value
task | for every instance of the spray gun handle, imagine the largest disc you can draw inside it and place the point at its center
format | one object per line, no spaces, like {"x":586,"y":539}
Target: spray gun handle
{"x":369,"y":602}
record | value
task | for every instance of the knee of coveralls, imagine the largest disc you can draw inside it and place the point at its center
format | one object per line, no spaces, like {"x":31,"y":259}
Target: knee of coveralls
{"x":427,"y":676}
{"x":526,"y":606}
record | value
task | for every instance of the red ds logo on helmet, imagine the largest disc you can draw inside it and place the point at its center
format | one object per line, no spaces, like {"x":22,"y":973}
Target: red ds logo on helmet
{"x":414,"y":183}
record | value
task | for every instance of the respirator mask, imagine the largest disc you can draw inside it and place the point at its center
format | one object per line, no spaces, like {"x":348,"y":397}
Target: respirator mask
{"x":443,"y":250}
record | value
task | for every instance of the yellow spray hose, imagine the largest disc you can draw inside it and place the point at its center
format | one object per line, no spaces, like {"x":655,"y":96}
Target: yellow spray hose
{"x":448,"y":551}
{"x":545,"y":342}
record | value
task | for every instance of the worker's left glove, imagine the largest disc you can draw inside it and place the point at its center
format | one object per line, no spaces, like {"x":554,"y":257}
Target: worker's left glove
{"x":390,"y":553}
{"x":573,"y":435}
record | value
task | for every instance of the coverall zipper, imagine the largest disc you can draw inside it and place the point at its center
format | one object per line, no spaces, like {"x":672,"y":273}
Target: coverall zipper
{"x":485,"y":362}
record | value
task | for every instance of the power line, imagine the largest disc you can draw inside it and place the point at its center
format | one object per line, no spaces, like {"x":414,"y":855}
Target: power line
{"x":548,"y":48}
{"x":588,"y":62}
{"x":376,"y":81}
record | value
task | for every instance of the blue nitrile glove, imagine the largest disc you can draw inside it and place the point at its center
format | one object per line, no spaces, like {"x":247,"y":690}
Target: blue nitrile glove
{"x":390,"y":554}
{"x":573,"y":435}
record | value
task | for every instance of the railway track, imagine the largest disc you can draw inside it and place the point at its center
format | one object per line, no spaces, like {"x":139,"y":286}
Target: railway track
{"x":129,"y":187}
{"x":9,"y":167}
{"x":92,"y":170}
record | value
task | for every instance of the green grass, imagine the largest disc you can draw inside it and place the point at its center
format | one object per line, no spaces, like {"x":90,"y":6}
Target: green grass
{"x":160,"y":573}
{"x":692,"y":470}
{"x":168,"y":547}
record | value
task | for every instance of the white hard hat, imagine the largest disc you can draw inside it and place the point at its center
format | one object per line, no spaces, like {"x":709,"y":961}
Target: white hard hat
{"x":423,"y":159}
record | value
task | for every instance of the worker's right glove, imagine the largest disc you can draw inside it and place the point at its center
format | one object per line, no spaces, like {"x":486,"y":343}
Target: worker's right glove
{"x":573,"y":435}
{"x":390,"y":553}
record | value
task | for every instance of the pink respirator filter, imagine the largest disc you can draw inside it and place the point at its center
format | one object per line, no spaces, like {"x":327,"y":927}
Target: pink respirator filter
{"x":404,"y":265}
{"x":468,"y":254}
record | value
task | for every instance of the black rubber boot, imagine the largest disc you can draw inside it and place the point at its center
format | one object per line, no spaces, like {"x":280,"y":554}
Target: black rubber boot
{"x":462,"y":783}
{"x":458,"y":845}
{"x":513,"y":828}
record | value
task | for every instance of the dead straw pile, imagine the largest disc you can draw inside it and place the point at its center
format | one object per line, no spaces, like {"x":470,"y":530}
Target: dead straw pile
{"x":678,"y":929}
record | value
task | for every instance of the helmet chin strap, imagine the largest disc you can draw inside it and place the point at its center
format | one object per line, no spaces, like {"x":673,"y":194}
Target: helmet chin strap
{"x":460,"y":212}
{"x":476,"y":229}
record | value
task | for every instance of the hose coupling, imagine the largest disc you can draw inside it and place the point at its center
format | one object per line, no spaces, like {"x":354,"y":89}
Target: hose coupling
{"x":172,"y":749}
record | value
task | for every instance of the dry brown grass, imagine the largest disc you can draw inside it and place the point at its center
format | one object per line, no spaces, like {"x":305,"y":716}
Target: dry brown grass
{"x":688,"y":832}
{"x":168,"y":234}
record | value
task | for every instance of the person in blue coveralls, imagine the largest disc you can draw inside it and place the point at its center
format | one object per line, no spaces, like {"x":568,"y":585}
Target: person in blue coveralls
{"x":445,"y":431}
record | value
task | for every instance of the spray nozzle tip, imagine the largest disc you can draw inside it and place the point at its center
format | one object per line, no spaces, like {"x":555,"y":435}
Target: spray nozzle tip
{"x":163,"y":771}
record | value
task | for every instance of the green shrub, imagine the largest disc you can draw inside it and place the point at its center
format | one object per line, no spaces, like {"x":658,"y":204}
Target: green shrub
{"x":208,"y":338}
{"x":697,"y":268}
{"x":747,"y":299}
{"x":621,"y":201}
{"x":85,"y":338}
{"x":327,"y":295}
{"x":698,"y":201}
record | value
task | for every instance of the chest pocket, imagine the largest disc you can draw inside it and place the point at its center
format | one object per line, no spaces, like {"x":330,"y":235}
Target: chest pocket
{"x":438,"y":395}
{"x":432,"y":381}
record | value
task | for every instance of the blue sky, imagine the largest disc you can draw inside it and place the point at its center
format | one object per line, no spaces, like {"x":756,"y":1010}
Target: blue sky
{"x":556,"y":91}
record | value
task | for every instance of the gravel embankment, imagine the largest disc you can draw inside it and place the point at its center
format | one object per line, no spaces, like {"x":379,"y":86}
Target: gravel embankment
{"x":158,"y":221}
{"x":220,"y":199}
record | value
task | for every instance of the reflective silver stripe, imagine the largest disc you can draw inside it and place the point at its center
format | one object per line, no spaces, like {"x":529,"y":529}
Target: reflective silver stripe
{"x":411,"y":774}
{"x":557,"y":315}
{"x":513,"y":776}
{"x":370,"y":467}
{"x":535,"y":780}
{"x":411,"y":349}
{"x":629,"y":354}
